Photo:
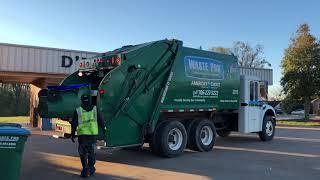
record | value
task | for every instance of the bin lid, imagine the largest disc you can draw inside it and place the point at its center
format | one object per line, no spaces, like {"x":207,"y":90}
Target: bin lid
{"x":67,"y":86}
{"x":11,"y":130}
{"x":11,"y":124}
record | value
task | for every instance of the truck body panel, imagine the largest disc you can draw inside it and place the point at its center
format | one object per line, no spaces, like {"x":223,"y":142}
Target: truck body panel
{"x":203,"y":80}
{"x":132,"y":91}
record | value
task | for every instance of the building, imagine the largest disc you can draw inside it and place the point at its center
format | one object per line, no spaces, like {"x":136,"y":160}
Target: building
{"x":39,"y":67}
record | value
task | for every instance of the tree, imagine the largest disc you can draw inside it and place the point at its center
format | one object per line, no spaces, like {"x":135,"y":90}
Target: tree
{"x":247,"y":55}
{"x":301,"y":67}
{"x":14,"y":99}
{"x":290,"y":104}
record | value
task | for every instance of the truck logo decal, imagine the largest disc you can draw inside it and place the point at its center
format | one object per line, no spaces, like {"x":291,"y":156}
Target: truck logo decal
{"x":203,"y":68}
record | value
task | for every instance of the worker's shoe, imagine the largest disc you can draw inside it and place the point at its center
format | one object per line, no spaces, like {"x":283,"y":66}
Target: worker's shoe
{"x":92,"y":171}
{"x":85,"y":173}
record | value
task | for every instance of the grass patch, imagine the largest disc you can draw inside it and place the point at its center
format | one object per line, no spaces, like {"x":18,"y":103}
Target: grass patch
{"x":297,"y":123}
{"x":15,"y":119}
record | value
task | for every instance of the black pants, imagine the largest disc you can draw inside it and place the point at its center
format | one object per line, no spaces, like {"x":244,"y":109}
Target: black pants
{"x":87,"y":155}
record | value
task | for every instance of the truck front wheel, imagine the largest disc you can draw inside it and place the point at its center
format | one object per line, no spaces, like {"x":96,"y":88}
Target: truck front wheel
{"x":202,"y":136}
{"x":170,"y":139}
{"x":268,"y":129}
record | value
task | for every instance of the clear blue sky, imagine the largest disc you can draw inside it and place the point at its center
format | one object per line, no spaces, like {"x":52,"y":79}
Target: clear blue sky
{"x":105,"y":25}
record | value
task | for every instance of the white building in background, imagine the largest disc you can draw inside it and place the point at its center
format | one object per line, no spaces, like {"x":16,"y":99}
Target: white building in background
{"x":26,"y":64}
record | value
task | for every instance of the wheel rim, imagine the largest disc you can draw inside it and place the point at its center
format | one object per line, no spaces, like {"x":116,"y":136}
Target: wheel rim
{"x":175,"y":139}
{"x":206,"y":135}
{"x":269,"y":128}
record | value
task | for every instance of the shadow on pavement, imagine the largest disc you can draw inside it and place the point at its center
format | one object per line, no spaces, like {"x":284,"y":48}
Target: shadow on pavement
{"x":46,"y":157}
{"x":46,"y":171}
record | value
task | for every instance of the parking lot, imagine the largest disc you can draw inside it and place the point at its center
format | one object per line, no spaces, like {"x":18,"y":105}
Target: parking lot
{"x":293,"y":154}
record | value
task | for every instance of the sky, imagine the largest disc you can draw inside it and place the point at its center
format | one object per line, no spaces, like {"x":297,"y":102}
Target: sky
{"x":104,"y":25}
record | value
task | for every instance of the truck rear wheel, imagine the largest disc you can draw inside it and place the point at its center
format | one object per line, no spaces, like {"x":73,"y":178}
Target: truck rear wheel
{"x":152,"y":140}
{"x":188,"y":127}
{"x":223,"y":132}
{"x":202,"y":136}
{"x":170,"y":139}
{"x":268,"y":129}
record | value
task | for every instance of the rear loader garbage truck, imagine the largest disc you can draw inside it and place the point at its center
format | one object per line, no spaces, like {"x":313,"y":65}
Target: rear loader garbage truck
{"x":162,"y":93}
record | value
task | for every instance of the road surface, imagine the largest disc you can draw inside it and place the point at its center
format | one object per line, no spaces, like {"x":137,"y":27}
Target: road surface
{"x":293,"y":154}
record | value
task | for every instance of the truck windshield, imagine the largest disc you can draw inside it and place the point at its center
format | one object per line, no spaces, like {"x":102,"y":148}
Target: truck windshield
{"x":263,"y":91}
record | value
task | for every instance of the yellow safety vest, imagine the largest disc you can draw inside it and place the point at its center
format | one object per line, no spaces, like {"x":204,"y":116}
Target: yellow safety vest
{"x":87,"y":121}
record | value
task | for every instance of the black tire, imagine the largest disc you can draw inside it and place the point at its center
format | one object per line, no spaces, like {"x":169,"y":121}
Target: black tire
{"x":188,"y":126}
{"x":268,"y":129}
{"x":196,"y":143}
{"x":165,"y":135}
{"x":154,"y":147}
{"x":223,"y":132}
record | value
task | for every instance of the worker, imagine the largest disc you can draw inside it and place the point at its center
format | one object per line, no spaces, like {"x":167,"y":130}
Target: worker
{"x":86,"y":121}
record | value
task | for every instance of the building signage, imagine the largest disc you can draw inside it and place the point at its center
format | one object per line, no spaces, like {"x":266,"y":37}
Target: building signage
{"x":67,"y":61}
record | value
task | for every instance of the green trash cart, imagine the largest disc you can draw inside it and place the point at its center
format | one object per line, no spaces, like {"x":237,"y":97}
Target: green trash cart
{"x":12,"y":140}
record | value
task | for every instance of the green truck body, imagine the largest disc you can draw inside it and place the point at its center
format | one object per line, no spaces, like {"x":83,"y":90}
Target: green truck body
{"x":136,"y":87}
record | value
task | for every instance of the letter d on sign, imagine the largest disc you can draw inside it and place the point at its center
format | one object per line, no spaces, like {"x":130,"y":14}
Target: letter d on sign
{"x":66,"y":61}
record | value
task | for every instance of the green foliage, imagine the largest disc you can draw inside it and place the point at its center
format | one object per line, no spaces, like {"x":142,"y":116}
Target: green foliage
{"x":247,"y":55}
{"x":14,"y":99}
{"x":297,"y":123}
{"x":289,"y":104}
{"x":301,"y":67}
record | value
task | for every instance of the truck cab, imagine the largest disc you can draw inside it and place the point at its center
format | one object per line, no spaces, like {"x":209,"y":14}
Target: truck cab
{"x":255,"y":115}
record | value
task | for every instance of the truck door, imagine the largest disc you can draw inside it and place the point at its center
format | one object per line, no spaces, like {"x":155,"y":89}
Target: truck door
{"x":254,"y":107}
{"x":249,"y":105}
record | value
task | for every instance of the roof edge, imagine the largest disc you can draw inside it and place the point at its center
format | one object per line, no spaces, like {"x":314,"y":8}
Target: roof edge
{"x":47,"y":48}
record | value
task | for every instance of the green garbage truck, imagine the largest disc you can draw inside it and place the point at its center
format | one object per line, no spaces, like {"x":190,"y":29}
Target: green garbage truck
{"x":162,"y":93}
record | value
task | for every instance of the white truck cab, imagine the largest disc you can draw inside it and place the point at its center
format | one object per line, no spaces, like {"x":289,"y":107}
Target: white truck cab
{"x":255,"y":115}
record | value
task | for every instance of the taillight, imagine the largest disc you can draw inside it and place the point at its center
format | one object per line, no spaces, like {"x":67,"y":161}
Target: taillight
{"x":118,"y":60}
{"x":101,"y":91}
{"x":81,"y":65}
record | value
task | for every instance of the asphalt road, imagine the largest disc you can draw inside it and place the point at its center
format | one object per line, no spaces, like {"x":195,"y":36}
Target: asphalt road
{"x":293,"y":154}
